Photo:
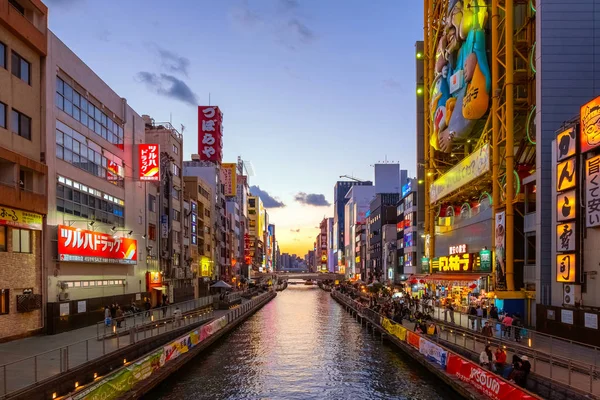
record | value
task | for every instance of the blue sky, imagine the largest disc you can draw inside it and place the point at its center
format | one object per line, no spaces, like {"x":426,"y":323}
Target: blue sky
{"x":310,"y":89}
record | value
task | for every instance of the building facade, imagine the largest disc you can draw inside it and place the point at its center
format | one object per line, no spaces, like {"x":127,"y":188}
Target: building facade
{"x":23,"y":175}
{"x":382,"y":214}
{"x":358,"y":202}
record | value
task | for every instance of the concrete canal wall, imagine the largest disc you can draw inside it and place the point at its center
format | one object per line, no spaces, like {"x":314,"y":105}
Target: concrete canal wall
{"x":139,"y":376}
{"x":462,"y":375}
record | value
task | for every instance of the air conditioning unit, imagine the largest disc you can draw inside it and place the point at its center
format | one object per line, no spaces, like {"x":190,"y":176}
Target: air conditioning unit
{"x":571,"y":294}
{"x":64,"y":296}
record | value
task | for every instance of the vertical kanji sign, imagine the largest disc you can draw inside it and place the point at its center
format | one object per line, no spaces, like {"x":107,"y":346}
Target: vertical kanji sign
{"x":592,"y":192}
{"x":210,"y":134}
{"x":149,"y":162}
{"x":77,"y":245}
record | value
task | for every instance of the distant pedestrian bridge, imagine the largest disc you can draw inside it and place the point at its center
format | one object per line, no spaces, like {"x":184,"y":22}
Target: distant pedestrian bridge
{"x":315,"y":276}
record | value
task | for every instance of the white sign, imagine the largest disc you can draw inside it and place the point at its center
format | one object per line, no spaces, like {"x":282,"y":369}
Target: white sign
{"x":433,"y":352}
{"x":469,"y":168}
{"x":64,"y":309}
{"x":566,"y":317}
{"x":591,"y":320}
{"x":458,"y":249}
{"x":138,"y":296}
{"x":81,"y":306}
{"x":457,"y":81}
{"x":592,"y":192}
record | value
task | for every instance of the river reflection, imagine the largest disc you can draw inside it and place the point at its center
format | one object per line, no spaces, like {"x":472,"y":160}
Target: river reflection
{"x":302,"y":345}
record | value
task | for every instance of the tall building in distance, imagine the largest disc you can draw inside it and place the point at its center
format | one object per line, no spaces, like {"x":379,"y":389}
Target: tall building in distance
{"x":23,"y":175}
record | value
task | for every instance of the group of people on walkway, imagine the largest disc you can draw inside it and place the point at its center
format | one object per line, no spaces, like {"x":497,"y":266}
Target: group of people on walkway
{"x":113,"y":314}
{"x":516,"y":372}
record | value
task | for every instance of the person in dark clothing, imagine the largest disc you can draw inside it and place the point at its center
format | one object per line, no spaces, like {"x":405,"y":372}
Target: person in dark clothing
{"x":494,"y":313}
{"x":520,"y":376}
{"x":147,"y":307}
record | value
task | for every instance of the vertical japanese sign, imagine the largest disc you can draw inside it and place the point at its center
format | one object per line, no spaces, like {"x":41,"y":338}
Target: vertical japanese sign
{"x":78,"y":245}
{"x":210,"y":134}
{"x":590,"y":131}
{"x":566,"y":205}
{"x":149,"y":162}
{"x":592,"y":192}
{"x":500,"y":252}
{"x":229,"y":175}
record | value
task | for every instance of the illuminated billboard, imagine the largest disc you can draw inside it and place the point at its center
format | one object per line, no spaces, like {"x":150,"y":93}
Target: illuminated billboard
{"x":229,"y":177}
{"x":149,"y":162}
{"x":77,"y":245}
{"x":590,"y":131}
{"x":210,"y":134}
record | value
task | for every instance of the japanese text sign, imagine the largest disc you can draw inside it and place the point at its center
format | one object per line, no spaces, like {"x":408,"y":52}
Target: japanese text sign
{"x":458,"y":249}
{"x":210,"y":133}
{"x":229,"y":176}
{"x":565,"y":175}
{"x":457,"y":263}
{"x":149,"y":161}
{"x":565,"y":268}
{"x":21,"y":219}
{"x":78,"y":245}
{"x":565,"y":236}
{"x":590,"y":131}
{"x":592,"y":192}
{"x":565,"y":144}
{"x":565,"y":206}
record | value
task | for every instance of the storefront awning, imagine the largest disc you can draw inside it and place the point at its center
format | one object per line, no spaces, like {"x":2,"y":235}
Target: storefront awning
{"x":459,"y":278}
{"x":160,"y":288}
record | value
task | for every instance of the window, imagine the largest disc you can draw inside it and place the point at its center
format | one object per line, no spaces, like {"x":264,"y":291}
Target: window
{"x":176,"y":260}
{"x":175,"y":194}
{"x":151,"y":203}
{"x":2,"y":238}
{"x":175,"y":149}
{"x":21,"y":68}
{"x":176,"y":215}
{"x":2,"y":115}
{"x":4,"y":301}
{"x":176,"y":170}
{"x":21,"y":124}
{"x":2,"y":55}
{"x":17,"y":6}
{"x":21,"y":240}
{"x":151,"y":231}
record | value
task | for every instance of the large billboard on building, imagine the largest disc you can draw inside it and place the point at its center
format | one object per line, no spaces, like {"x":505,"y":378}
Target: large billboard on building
{"x":149,"y":162}
{"x":590,"y":131}
{"x":229,"y":177}
{"x":77,"y":245}
{"x":210,"y":134}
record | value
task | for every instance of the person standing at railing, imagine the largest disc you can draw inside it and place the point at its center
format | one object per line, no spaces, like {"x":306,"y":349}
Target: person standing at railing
{"x":487,"y":330}
{"x":119,"y":316}
{"x":147,"y":306}
{"x":107,"y":317}
{"x":506,"y":325}
{"x":177,"y":314}
{"x":472,"y":316}
{"x":165,"y":306}
{"x":487,"y":358}
{"x":500,"y":355}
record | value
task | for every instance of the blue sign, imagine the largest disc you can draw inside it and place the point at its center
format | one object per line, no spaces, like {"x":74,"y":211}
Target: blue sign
{"x":406,"y":189}
{"x":163,"y":219}
{"x":368,"y":213}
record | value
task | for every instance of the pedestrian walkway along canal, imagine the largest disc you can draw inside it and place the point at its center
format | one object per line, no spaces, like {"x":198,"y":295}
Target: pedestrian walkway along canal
{"x":302,"y":345}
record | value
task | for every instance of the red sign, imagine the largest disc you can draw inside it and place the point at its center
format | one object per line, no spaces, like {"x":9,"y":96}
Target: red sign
{"x":149,"y":160}
{"x":78,"y":245}
{"x":210,"y":134}
{"x":112,"y":171}
{"x":413,"y":339}
{"x":486,"y":382}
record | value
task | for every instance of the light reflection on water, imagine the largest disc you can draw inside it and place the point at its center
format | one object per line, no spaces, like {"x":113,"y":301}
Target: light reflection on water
{"x":302,"y":345}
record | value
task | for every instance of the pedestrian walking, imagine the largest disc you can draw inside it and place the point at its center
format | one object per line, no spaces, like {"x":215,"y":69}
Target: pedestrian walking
{"x":119,"y":316}
{"x":177,"y":316}
{"x":487,"y":330}
{"x":164,"y":310}
{"x":107,"y":316}
{"x":479,"y":312}
{"x":147,"y":307}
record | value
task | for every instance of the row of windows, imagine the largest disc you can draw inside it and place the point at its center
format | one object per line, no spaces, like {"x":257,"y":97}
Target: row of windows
{"x":19,"y":122}
{"x":76,"y":149}
{"x":21,"y":240}
{"x":88,"y":284}
{"x":77,"y":106}
{"x":20,"y":67}
{"x":86,"y":189}
{"x":203,"y":192}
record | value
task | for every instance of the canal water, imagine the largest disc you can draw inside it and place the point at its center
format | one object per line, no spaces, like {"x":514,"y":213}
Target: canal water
{"x":302,"y":345}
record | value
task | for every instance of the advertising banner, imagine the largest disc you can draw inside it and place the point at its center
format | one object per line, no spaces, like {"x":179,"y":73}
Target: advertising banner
{"x":149,"y":162}
{"x":21,"y":219}
{"x":592,"y":192}
{"x":590,"y":131}
{"x":177,"y":348}
{"x":77,"y":245}
{"x":500,"y":253}
{"x":210,"y":134}
{"x":433,"y":352}
{"x":229,"y":176}
{"x":469,"y":168}
{"x":395,"y":329}
{"x":413,"y":339}
{"x":486,"y":382}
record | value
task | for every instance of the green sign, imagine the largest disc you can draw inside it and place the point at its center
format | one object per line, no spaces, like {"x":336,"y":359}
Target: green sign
{"x":424,"y":265}
{"x":485,"y":261}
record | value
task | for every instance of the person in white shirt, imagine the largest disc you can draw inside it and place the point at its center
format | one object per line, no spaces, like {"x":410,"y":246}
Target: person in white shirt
{"x":487,"y":359}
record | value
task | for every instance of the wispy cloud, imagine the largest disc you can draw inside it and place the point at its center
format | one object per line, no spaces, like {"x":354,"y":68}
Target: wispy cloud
{"x":295,"y":230}
{"x":168,"y":86}
{"x":173,"y":62}
{"x":245,"y":16}
{"x":268,"y":200}
{"x":301,"y":30}
{"x":287,"y":5}
{"x":104,"y":35}
{"x":312,"y":199}
{"x":392,"y":84}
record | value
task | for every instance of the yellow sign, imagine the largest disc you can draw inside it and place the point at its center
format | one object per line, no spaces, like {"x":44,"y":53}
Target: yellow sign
{"x":357,"y":259}
{"x":565,"y":268}
{"x":565,"y":206}
{"x":229,"y":176}
{"x":469,"y":168}
{"x":590,"y":131}
{"x":205,"y":269}
{"x":456,"y":263}
{"x":565,"y":175}
{"x":21,"y":219}
{"x":565,"y":144}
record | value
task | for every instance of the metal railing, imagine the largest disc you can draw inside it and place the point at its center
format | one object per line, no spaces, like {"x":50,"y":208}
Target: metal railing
{"x":155,"y":314}
{"x":17,"y":375}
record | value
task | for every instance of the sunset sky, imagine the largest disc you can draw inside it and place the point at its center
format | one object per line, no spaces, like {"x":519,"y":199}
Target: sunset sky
{"x":310,"y":89}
